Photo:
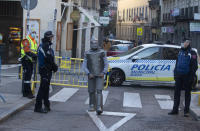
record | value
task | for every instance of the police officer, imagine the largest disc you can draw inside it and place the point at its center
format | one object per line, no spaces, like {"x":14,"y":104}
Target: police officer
{"x":46,"y":66}
{"x":184,"y":73}
{"x":28,"y":57}
{"x":95,"y":65}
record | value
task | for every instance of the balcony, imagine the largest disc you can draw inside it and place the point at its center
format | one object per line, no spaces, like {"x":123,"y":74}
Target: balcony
{"x":155,"y":22}
{"x":153,"y":4}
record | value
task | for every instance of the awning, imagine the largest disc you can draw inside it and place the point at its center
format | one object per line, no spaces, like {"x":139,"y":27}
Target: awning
{"x":84,"y":11}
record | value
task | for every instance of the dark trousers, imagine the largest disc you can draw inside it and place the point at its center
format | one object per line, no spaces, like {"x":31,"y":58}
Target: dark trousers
{"x":27,"y":74}
{"x":182,"y":82}
{"x":43,"y":93}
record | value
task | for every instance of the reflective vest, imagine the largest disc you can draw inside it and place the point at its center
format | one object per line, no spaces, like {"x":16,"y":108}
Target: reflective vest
{"x":28,"y":45}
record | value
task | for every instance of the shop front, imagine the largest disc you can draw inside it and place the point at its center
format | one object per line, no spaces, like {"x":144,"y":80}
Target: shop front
{"x":11,"y":25}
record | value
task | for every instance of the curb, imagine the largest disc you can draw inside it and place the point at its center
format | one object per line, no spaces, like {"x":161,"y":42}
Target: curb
{"x":194,"y":107}
{"x":16,"y":109}
{"x":194,"y":115}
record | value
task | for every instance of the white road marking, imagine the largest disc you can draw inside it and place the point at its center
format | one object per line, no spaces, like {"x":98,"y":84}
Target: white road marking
{"x":63,"y":95}
{"x":105,"y":95}
{"x":102,"y":127}
{"x":4,"y":67}
{"x":167,"y":97}
{"x":132,"y":100}
{"x":165,"y":102}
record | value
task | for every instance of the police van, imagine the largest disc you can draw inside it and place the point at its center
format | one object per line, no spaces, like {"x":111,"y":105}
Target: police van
{"x":148,"y":64}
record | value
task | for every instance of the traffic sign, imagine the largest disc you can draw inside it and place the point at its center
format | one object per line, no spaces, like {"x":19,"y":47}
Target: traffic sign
{"x":139,"y":31}
{"x":25,"y":4}
{"x":104,"y":20}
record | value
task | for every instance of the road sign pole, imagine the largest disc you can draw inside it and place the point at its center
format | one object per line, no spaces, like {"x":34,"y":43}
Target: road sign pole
{"x":54,"y":28}
{"x":28,"y":16}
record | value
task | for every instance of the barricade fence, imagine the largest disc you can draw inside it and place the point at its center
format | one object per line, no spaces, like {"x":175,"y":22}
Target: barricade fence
{"x":69,"y":74}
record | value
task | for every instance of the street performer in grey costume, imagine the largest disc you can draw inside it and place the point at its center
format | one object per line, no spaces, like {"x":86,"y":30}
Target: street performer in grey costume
{"x":95,"y":65}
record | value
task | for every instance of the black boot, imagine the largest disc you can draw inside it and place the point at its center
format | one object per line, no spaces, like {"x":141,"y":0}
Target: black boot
{"x":30,"y":96}
{"x":47,"y":108}
{"x":40,"y":110}
{"x":173,"y":112}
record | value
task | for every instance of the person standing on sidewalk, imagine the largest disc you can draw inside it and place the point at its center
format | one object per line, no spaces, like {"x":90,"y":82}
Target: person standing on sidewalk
{"x":28,"y":58}
{"x":184,"y":73}
{"x":95,"y":65}
{"x":46,"y":66}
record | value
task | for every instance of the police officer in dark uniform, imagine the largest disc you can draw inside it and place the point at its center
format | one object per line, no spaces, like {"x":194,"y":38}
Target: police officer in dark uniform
{"x":184,"y":73}
{"x":46,"y":66}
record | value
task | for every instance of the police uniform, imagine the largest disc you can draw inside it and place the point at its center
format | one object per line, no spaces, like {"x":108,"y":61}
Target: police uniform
{"x":28,"y":57}
{"x":184,"y":73}
{"x":95,"y":64}
{"x":46,"y":66}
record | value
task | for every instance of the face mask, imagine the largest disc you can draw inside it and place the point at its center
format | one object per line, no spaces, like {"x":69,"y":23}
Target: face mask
{"x":33,"y":35}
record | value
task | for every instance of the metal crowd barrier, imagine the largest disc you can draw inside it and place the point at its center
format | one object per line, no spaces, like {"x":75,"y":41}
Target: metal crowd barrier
{"x":69,"y":74}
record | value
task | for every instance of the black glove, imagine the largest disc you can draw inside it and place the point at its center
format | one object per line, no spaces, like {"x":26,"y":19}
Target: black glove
{"x":55,"y":68}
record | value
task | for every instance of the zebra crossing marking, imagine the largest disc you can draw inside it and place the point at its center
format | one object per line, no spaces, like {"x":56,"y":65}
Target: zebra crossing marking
{"x":63,"y":95}
{"x":102,"y":127}
{"x":165,"y":102}
{"x":132,"y":100}
{"x":105,"y":95}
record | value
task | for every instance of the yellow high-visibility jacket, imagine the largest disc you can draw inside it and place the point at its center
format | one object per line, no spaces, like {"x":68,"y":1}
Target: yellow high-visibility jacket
{"x":28,"y":45}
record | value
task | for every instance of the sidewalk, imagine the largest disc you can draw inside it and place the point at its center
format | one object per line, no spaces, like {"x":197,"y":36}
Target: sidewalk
{"x":10,"y":89}
{"x":14,"y":104}
{"x":195,"y":107}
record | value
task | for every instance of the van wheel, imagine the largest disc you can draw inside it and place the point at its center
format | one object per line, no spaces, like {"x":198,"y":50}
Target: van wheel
{"x":116,"y":77}
{"x":194,"y":83}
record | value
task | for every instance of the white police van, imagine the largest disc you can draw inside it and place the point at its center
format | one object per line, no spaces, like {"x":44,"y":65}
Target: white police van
{"x":148,"y":64}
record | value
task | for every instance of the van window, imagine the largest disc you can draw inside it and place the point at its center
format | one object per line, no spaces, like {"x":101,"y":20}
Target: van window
{"x":150,"y":54}
{"x":170,"y":53}
{"x":130,"y":51}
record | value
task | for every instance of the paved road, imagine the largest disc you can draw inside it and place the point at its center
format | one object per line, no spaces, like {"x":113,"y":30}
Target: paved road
{"x":146,"y":108}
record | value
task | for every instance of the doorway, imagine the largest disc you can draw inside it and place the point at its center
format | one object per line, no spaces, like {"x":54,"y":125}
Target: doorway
{"x":11,"y":27}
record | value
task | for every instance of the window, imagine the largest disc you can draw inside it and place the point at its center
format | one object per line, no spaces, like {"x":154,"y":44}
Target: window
{"x":134,"y":12}
{"x":170,"y":53}
{"x":127,"y":15}
{"x":196,"y":9}
{"x":133,"y":50}
{"x":146,"y":15}
{"x":124,"y":15}
{"x":84,"y":3}
{"x":150,"y":53}
{"x":93,"y":4}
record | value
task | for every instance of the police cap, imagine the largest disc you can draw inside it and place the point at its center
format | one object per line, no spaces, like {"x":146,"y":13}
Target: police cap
{"x":48,"y":34}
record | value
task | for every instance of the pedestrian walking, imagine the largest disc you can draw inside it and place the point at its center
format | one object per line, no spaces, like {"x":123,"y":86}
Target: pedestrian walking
{"x":184,"y":73}
{"x":47,"y":65}
{"x":95,"y":65}
{"x":28,"y":58}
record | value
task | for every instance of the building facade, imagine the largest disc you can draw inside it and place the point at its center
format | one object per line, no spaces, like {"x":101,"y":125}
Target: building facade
{"x":133,"y":20}
{"x":180,"y":20}
{"x":72,"y":38}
